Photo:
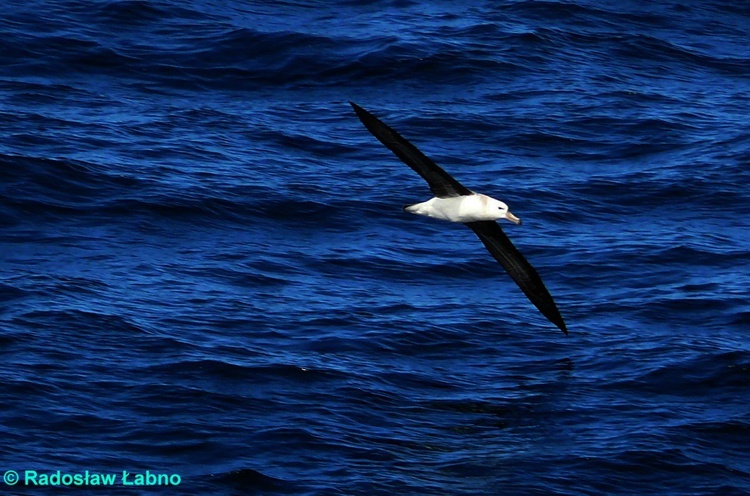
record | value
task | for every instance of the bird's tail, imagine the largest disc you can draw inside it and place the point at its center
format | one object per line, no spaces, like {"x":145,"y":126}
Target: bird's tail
{"x":408,"y":207}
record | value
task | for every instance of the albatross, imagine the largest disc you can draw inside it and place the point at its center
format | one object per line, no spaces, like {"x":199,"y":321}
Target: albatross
{"x":455,"y":203}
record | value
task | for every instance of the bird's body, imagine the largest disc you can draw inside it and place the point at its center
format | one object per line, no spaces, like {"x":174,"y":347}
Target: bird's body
{"x":455,"y":203}
{"x":467,"y":208}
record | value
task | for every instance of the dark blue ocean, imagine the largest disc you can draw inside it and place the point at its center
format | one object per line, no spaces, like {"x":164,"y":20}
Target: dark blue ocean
{"x":206,"y":275}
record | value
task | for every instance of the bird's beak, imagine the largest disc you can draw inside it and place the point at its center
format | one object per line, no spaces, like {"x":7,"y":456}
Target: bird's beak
{"x":513,"y":218}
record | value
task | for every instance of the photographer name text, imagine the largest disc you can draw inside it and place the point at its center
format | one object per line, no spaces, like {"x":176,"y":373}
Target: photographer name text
{"x":86,"y":478}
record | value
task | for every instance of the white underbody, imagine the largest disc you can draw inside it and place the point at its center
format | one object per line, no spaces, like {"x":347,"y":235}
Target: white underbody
{"x":470,"y":208}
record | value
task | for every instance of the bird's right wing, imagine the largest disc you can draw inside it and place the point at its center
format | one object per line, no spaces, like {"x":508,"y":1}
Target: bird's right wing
{"x":441,"y":183}
{"x":500,"y":247}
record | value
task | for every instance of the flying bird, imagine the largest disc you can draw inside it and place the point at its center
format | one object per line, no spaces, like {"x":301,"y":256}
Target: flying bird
{"x":455,"y":203}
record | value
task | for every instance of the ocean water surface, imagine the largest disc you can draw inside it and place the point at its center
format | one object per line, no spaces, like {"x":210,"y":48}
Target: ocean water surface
{"x":206,"y":274}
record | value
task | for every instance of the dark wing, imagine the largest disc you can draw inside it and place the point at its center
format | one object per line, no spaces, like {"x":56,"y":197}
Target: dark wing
{"x":519,"y":269}
{"x":441,"y":184}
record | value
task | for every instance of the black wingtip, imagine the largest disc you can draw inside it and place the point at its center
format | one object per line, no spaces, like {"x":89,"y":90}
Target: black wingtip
{"x":363,"y":114}
{"x":557,"y":319}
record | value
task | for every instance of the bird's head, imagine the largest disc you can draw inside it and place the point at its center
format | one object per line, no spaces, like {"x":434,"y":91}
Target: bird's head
{"x":500,"y":210}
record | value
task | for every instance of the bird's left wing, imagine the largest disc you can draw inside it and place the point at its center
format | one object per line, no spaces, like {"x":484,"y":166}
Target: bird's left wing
{"x":441,"y":183}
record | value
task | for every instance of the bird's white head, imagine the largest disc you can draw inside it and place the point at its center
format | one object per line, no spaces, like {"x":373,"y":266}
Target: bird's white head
{"x":499,"y":210}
